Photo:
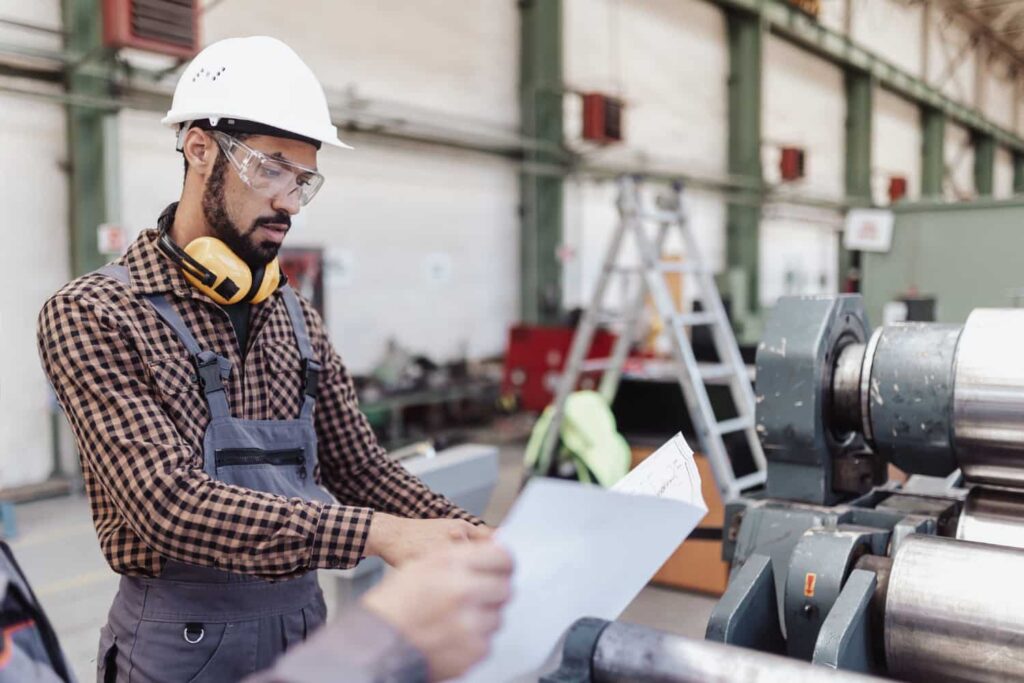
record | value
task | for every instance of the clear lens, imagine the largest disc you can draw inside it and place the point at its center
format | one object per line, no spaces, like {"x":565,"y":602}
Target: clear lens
{"x":266,"y":176}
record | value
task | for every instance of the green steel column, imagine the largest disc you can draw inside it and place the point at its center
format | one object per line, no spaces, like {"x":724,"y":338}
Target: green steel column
{"x":743,"y":218}
{"x":984,"y":163}
{"x":859,"y":106}
{"x":88,"y":132}
{"x":540,"y":97}
{"x":1018,"y":172}
{"x":933,"y":159}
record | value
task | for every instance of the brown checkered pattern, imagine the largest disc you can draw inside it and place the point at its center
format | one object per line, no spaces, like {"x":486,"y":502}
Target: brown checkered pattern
{"x":130,"y":392}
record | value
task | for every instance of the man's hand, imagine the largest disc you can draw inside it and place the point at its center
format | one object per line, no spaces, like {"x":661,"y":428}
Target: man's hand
{"x":447,"y":604}
{"x":398,"y":540}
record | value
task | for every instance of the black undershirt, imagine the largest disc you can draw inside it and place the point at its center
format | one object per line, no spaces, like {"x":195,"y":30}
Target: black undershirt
{"x":239,"y":314}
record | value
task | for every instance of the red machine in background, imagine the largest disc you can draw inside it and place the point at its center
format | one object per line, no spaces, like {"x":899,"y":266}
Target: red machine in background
{"x":535,"y":358}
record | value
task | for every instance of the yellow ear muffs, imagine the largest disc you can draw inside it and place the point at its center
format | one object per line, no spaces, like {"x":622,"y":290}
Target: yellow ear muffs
{"x":233,"y":277}
{"x":268,"y":285}
{"x":211,"y":267}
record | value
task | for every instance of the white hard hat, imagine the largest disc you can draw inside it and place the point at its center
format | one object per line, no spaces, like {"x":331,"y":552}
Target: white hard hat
{"x":256,"y":79}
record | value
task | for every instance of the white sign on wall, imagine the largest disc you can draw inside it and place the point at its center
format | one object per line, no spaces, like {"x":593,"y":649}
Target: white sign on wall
{"x":868,"y":230}
{"x":111,"y":240}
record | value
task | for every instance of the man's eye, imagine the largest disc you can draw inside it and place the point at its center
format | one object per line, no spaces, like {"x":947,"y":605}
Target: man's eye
{"x":269,"y":172}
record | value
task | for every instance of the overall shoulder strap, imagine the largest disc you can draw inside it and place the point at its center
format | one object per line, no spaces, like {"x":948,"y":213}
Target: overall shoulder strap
{"x":310,"y":367}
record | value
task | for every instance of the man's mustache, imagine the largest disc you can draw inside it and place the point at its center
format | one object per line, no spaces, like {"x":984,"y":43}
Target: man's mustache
{"x":282,"y":218}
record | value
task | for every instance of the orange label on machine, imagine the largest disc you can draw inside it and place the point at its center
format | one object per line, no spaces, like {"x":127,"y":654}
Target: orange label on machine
{"x":809,"y":582}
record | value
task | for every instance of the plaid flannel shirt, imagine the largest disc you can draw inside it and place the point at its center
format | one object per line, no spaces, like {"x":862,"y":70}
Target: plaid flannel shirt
{"x":129,"y":390}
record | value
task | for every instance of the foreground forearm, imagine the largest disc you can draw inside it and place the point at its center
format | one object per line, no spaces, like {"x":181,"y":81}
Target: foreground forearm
{"x":357,"y":648}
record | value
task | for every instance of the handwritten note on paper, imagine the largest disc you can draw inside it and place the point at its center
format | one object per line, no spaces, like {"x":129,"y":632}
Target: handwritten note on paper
{"x":669,"y":472}
{"x":585,"y":551}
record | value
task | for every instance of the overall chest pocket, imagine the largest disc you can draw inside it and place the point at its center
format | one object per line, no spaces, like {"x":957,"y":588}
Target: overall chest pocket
{"x":280,"y":471}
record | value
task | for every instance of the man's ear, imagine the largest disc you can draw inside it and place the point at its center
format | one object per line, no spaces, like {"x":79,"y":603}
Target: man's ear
{"x":200,"y":150}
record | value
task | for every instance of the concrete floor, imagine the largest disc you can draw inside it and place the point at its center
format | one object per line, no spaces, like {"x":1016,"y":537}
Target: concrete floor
{"x":57,"y":548}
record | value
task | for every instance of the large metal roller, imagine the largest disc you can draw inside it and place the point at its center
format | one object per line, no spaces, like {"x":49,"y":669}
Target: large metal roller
{"x":993,"y":516}
{"x":930,"y":398}
{"x":627,"y":653}
{"x":989,"y":397}
{"x":954,"y":612}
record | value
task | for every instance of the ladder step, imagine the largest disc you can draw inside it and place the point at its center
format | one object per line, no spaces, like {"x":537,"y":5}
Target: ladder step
{"x":698,"y":318}
{"x":675,"y":267}
{"x":626,"y":270}
{"x":607,"y":317}
{"x":661,"y":216}
{"x":749,"y":481}
{"x":595,"y":364}
{"x":736,"y":424}
{"x":716,"y":371}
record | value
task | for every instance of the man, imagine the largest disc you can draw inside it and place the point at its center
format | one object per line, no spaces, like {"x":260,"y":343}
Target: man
{"x":428,"y":621}
{"x":216,"y":423}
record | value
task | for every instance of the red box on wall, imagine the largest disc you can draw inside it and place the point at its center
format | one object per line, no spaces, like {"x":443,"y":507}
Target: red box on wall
{"x":897,"y":188}
{"x":535,"y":358}
{"x":602,"y":118}
{"x":169,"y":27}
{"x":791,"y":163}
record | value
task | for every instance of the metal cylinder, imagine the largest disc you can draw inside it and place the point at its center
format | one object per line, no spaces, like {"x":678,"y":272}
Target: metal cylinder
{"x":637,"y":654}
{"x":910,"y":401}
{"x":992,"y":516}
{"x":846,"y":388}
{"x":989,"y":397}
{"x":955,"y":612}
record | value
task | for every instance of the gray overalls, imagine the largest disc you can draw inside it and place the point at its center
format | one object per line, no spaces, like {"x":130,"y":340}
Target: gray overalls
{"x":202,"y":624}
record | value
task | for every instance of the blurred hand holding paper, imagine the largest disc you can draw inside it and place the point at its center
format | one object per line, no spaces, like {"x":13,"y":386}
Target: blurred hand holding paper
{"x":583,"y":551}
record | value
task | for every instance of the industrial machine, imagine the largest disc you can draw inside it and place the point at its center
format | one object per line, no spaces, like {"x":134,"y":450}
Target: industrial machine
{"x":832,"y":563}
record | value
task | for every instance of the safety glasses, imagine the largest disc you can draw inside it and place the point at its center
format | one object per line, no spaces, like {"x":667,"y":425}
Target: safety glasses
{"x":266,"y":175}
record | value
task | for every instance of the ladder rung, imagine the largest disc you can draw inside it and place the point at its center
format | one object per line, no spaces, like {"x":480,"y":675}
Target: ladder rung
{"x":716,"y":371}
{"x":675,"y":267}
{"x":698,"y":318}
{"x":749,"y":481}
{"x":662,"y":216}
{"x":595,"y":364}
{"x":605,"y":317}
{"x":736,"y":424}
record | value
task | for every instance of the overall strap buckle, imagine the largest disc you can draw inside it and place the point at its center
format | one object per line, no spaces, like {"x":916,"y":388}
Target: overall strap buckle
{"x":310,"y":377}
{"x":208,"y":371}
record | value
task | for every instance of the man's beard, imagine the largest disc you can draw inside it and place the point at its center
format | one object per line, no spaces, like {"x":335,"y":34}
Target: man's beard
{"x":255,"y":253}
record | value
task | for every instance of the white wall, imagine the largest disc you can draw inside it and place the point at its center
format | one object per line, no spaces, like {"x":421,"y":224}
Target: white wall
{"x":951,"y":62}
{"x":457,"y":57}
{"x":668,"y":60}
{"x":959,"y":156}
{"x":999,"y":92}
{"x":895,"y":145}
{"x":804,"y":104}
{"x":890,"y":28}
{"x":35,"y":262}
{"x":1003,"y":179}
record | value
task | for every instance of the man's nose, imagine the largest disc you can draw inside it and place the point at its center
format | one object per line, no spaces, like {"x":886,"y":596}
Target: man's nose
{"x":287,"y":201}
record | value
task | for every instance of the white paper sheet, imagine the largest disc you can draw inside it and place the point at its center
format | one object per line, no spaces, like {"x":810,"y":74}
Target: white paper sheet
{"x":582,"y":551}
{"x":669,"y":472}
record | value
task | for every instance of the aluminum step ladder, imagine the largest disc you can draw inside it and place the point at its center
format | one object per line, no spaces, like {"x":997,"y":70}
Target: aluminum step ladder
{"x":635,"y":221}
